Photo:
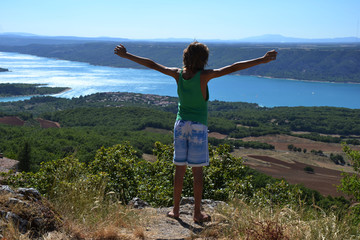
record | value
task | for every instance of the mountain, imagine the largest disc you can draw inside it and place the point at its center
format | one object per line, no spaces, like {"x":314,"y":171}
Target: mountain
{"x":276,"y":38}
{"x":21,"y":39}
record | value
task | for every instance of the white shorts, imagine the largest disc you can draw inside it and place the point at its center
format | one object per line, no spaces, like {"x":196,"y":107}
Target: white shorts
{"x":190,"y":144}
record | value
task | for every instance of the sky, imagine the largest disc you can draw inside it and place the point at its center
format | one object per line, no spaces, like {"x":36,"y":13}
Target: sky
{"x":202,"y":19}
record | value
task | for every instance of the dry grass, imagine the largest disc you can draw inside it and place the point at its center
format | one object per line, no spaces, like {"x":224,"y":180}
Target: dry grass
{"x":240,"y":220}
{"x":86,"y":214}
{"x":113,"y":221}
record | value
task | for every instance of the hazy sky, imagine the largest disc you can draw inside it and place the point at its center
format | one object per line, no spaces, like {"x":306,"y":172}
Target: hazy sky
{"x":208,"y":19}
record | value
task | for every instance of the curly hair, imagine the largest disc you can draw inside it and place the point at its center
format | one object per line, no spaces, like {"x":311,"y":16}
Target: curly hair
{"x":195,"y":56}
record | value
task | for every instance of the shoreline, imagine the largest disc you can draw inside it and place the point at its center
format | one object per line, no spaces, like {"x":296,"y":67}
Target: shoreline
{"x":34,"y":95}
{"x":301,"y":80}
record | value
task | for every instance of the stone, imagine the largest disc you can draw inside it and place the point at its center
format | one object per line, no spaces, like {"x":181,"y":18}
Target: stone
{"x":29,"y":192}
{"x":138,"y":203}
{"x":4,"y":189}
{"x":26,"y":209}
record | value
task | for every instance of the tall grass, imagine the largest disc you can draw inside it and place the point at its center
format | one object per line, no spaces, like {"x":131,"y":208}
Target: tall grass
{"x":240,"y":220}
{"x":87,"y":212}
{"x":91,"y":213}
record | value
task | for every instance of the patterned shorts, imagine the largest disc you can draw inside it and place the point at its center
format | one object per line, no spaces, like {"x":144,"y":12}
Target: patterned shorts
{"x":190,"y":144}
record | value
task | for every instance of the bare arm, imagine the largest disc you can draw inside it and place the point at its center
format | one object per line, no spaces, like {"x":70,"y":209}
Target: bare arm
{"x":120,"y":50}
{"x":215,"y":73}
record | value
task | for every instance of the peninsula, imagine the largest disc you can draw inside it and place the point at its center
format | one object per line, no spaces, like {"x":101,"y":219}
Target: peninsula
{"x":21,"y":89}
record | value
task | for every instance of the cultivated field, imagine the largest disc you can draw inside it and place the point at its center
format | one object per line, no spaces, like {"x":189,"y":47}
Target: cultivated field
{"x":282,"y":163}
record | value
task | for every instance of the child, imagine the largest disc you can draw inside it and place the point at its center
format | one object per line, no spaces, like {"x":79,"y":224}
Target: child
{"x":190,"y":130}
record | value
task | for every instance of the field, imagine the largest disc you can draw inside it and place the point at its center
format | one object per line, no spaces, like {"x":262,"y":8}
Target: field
{"x":282,"y":163}
{"x":16,"y":121}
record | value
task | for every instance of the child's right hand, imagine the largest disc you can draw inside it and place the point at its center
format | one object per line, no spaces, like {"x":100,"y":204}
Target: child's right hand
{"x":120,"y":50}
{"x":270,"y":56}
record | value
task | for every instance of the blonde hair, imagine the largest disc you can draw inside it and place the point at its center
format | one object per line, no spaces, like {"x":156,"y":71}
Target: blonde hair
{"x":195,"y":56}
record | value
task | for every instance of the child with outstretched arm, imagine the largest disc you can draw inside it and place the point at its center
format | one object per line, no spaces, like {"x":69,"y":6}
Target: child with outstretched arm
{"x":190,"y":129}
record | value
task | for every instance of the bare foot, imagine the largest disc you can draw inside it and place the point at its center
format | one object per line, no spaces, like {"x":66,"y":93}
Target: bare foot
{"x":171,"y":214}
{"x":202,"y":217}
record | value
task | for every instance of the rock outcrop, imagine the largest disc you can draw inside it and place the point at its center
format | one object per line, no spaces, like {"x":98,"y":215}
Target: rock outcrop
{"x":27,"y":211}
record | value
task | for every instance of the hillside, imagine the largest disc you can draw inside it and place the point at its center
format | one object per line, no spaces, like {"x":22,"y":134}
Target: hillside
{"x":315,"y":62}
{"x":107,"y":148}
{"x":105,"y":119}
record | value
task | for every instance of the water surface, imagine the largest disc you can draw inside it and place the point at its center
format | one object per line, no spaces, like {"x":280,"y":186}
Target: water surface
{"x":85,"y":79}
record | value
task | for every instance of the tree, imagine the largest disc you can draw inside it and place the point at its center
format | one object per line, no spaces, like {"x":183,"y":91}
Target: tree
{"x":350,"y":184}
{"x":24,"y":157}
{"x":309,"y":169}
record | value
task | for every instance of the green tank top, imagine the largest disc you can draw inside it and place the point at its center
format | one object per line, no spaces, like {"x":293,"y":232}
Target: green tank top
{"x":192,"y":106}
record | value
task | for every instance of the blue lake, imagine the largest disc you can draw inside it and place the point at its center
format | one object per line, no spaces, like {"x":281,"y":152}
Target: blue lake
{"x":85,"y":79}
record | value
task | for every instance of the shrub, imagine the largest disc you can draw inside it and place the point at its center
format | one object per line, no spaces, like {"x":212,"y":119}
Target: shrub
{"x":350,"y":184}
{"x":308,"y":169}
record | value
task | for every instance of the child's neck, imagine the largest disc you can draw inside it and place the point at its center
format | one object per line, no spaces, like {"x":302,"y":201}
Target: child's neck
{"x":187,"y":74}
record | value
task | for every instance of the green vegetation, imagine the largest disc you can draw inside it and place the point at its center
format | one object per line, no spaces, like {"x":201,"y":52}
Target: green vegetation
{"x":84,"y":171}
{"x":105,"y":119}
{"x":337,"y":159}
{"x":319,"y":62}
{"x":129,"y":176}
{"x":116,"y":173}
{"x":84,"y":130}
{"x":309,"y":169}
{"x":20,"y":89}
{"x":350,"y":184}
{"x":316,"y":120}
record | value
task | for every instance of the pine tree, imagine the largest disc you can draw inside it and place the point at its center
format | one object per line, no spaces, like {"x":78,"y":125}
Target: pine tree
{"x":24,"y":157}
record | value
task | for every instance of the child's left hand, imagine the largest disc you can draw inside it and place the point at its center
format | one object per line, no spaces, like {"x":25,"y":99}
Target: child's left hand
{"x":270,"y":56}
{"x":120,"y":50}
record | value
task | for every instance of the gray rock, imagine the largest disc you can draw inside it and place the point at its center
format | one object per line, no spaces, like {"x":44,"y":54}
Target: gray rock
{"x":18,"y":221}
{"x":29,"y":192}
{"x":5,"y":189}
{"x":138,"y":203}
{"x":208,"y":202}
{"x":15,"y":201}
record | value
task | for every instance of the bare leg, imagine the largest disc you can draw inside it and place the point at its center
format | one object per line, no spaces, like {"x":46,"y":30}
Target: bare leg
{"x":198,"y":190}
{"x":178,"y":185}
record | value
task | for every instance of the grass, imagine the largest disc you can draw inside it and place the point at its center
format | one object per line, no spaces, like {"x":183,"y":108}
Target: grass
{"x":240,"y":220}
{"x":86,"y":213}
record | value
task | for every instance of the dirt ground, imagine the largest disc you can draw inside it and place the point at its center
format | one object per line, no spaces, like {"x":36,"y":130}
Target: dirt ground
{"x":323,"y":179}
{"x":47,"y":123}
{"x":281,"y":142}
{"x":14,"y":121}
{"x":6,"y":164}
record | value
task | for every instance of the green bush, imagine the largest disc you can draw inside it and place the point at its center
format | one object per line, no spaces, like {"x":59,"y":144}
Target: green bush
{"x":350,"y":184}
{"x":119,"y":170}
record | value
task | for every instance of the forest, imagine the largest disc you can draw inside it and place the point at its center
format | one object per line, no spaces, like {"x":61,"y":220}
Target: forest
{"x":104,"y":119}
{"x":315,"y":62}
{"x":21,"y":89}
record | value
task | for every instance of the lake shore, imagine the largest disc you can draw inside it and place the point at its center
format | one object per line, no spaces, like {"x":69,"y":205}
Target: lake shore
{"x":302,"y":80}
{"x":63,"y":90}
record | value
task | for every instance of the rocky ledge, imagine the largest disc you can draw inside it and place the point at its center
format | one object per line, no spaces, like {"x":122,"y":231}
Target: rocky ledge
{"x":25,"y":209}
